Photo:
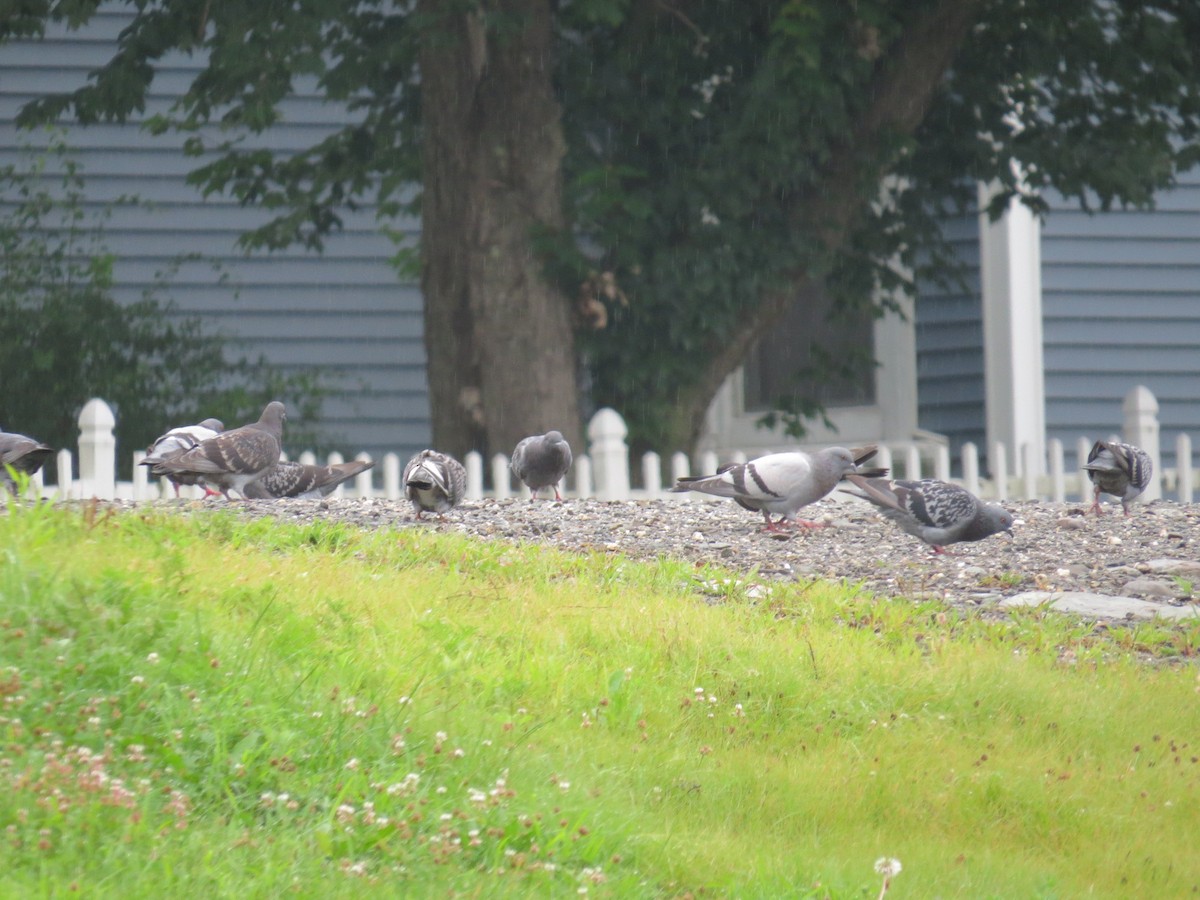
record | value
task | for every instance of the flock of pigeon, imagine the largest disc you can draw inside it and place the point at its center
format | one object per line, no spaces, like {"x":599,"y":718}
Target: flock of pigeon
{"x":247,"y":460}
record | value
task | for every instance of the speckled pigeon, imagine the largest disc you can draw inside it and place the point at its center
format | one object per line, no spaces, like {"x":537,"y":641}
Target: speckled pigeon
{"x":23,"y":453}
{"x":300,"y":481}
{"x":780,"y":483}
{"x":434,"y":482}
{"x":934,"y":511}
{"x":1122,"y":470}
{"x":541,"y":461}
{"x":178,"y":441}
{"x":234,"y":459}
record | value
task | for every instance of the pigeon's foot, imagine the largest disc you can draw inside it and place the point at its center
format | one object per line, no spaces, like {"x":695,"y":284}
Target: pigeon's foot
{"x":938,"y":549}
{"x":1096,"y":508}
{"x":809,"y":523}
{"x":557,"y":495}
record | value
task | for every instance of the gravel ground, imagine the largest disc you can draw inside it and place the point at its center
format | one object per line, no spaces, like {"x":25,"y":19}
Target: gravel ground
{"x":1152,"y":556}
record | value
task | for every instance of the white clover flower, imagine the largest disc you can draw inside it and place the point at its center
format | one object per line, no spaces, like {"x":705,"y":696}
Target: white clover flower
{"x":152,"y":659}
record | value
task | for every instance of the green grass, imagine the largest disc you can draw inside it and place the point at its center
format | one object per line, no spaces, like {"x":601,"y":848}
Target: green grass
{"x":190,"y":703}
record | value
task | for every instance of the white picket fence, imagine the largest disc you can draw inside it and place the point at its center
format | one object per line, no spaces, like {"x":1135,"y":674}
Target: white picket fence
{"x":604,"y":471}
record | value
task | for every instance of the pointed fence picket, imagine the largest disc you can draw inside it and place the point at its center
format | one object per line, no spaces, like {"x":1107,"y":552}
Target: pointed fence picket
{"x":605,"y":471}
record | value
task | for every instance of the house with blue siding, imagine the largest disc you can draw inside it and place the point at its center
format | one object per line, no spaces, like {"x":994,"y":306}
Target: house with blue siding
{"x":1050,"y":325}
{"x":346,"y":309}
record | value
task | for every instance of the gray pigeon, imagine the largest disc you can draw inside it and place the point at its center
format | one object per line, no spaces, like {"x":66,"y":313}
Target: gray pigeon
{"x":541,"y":461}
{"x":24,"y":454}
{"x":860,"y":454}
{"x":780,"y":483}
{"x":176,"y":442}
{"x":233,"y":459}
{"x":434,"y":482}
{"x":934,"y":511}
{"x":1122,"y":470}
{"x":303,"y":482}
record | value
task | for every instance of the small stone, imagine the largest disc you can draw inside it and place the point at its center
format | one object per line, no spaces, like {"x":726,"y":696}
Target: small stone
{"x":1186,"y":568}
{"x":1148,"y":587}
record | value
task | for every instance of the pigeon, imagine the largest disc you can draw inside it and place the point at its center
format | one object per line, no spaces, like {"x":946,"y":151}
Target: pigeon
{"x":778,"y":483}
{"x":178,"y":441}
{"x":303,"y":482}
{"x":233,"y":459}
{"x":934,"y":511}
{"x":1122,"y":470}
{"x":434,"y":482}
{"x":23,"y":454}
{"x":541,"y":461}
{"x":860,"y":454}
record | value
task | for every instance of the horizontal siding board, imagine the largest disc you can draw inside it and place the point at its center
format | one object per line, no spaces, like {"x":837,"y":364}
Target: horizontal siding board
{"x":346,"y":311}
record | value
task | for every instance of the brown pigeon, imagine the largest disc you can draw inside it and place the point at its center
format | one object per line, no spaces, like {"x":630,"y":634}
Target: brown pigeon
{"x":434,"y":482}
{"x":23,"y":454}
{"x":234,"y":459}
{"x":178,"y":441}
{"x":303,"y":482}
{"x":1122,"y":470}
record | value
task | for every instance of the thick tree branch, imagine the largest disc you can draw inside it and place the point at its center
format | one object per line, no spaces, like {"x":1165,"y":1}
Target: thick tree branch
{"x":905,"y":85}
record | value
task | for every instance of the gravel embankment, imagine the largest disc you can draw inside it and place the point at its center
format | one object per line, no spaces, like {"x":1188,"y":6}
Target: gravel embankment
{"x":1125,"y":564}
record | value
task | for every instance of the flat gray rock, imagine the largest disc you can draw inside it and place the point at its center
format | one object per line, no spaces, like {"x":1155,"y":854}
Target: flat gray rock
{"x":1186,"y":568}
{"x":1100,"y":606}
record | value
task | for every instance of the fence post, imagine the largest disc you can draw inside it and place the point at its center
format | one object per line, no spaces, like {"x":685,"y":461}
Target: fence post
{"x":336,"y":459}
{"x":708,"y":463}
{"x":883,"y":459}
{"x":473,"y":463}
{"x":912,"y":462}
{"x":391,"y":476}
{"x":501,"y":485}
{"x":64,"y":466}
{"x":1058,"y":482}
{"x":141,"y":477}
{"x":941,"y":462}
{"x":998,"y":463}
{"x":652,"y":475}
{"x":970,"y":467}
{"x":1031,"y":467}
{"x":610,"y":454}
{"x":98,"y":450}
{"x":1141,"y":430}
{"x":363,"y":486}
{"x":307,"y":458}
{"x":1083,"y":446}
{"x":583,"y":477}
{"x":680,"y":467}
{"x":1183,"y":468}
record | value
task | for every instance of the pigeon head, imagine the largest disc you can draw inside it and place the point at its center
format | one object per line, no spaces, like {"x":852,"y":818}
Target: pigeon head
{"x":273,"y":416}
{"x":995,"y":519}
{"x":553,"y":437}
{"x":213,"y":425}
{"x":842,"y":457}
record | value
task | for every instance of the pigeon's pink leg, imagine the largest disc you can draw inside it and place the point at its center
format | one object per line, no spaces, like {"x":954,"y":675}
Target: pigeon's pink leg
{"x":557,"y":495}
{"x":773,"y":527}
{"x":1096,"y":503}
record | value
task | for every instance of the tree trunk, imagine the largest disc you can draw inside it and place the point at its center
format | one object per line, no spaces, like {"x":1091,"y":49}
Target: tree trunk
{"x":905,"y":84}
{"x":499,"y":337}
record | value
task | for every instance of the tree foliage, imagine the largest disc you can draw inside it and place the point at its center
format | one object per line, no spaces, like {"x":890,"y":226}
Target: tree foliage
{"x":723,"y":161}
{"x":64,"y":338}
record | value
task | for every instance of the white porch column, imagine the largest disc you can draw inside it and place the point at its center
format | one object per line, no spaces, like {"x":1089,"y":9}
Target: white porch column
{"x":1010,"y":264}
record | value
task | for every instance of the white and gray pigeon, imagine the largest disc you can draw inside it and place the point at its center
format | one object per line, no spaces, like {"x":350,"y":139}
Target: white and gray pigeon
{"x":434,"y":482}
{"x":23,"y":454}
{"x":234,"y":459}
{"x":934,"y":511}
{"x":541,"y":461}
{"x":301,"y":481}
{"x":1122,"y":470}
{"x":779,"y":483}
{"x":178,"y":441}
